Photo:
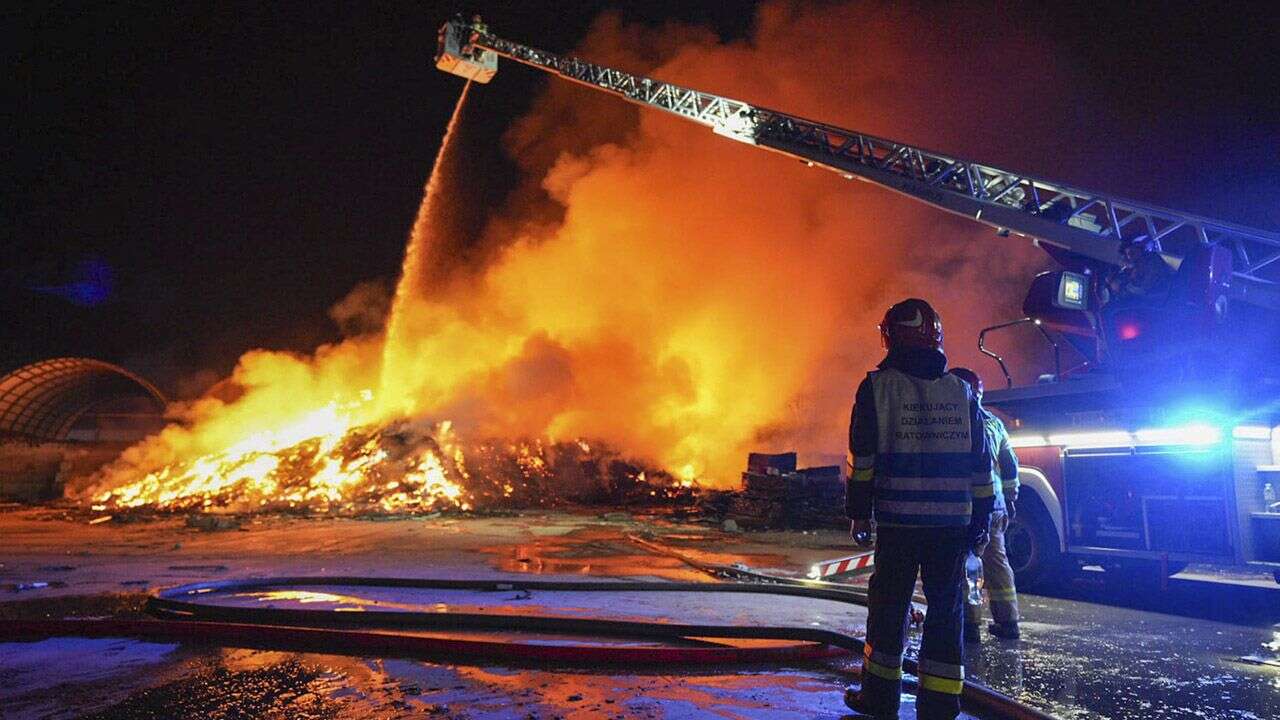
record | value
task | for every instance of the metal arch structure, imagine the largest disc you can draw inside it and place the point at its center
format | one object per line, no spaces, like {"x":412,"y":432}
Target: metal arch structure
{"x":43,"y":400}
{"x":1084,"y":222}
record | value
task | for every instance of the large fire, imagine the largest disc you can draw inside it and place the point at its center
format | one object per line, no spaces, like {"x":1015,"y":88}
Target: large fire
{"x":322,"y":462}
{"x":650,"y":287}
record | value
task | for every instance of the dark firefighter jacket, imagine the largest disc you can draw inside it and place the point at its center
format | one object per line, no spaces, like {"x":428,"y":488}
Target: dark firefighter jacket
{"x":923,"y":458}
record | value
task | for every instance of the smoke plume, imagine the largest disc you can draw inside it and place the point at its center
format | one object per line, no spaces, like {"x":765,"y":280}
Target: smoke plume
{"x":690,"y":299}
{"x":682,"y":297}
{"x":363,"y":311}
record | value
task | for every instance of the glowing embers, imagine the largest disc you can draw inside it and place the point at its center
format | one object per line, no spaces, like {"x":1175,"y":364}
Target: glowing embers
{"x":321,"y":463}
{"x":327,"y":464}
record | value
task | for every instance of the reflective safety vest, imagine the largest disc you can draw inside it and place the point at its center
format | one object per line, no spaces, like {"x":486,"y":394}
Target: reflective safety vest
{"x":996,"y":436}
{"x":924,"y":470}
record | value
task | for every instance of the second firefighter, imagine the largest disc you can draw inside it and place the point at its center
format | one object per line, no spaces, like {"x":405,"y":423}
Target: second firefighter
{"x":998,"y":574}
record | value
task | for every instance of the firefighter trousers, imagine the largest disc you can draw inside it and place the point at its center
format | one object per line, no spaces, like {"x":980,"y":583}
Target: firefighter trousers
{"x":997,"y":578}
{"x":937,"y":554}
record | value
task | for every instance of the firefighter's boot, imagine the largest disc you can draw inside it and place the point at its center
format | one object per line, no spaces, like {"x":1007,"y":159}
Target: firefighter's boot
{"x":1004,"y":631}
{"x":858,"y":703}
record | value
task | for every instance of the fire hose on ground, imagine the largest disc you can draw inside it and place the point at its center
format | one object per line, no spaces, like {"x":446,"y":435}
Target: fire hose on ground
{"x":184,"y":617}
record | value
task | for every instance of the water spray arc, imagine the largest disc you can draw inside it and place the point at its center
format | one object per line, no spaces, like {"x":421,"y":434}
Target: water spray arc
{"x":412,"y":284}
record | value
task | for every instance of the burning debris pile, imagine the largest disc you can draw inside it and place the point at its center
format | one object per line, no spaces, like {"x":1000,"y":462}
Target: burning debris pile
{"x":403,"y":466}
{"x":400,"y":466}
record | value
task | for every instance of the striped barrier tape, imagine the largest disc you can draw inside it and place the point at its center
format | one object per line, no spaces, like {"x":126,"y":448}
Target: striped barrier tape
{"x":852,"y":565}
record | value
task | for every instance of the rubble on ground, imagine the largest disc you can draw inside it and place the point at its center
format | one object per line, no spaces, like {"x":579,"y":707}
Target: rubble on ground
{"x":777,"y":495}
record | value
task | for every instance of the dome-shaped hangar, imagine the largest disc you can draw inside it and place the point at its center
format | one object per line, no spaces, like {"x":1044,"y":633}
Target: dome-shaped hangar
{"x":77,"y":399}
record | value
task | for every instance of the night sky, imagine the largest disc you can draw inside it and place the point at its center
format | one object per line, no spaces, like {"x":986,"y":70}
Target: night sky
{"x":188,"y":183}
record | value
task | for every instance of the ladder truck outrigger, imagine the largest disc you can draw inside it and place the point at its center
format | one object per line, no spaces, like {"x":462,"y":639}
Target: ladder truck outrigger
{"x":1159,"y":445}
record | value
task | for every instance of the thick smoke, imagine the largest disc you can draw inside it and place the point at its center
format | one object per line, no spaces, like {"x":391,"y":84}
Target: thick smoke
{"x":690,"y":299}
{"x":682,"y":297}
{"x":363,"y":311}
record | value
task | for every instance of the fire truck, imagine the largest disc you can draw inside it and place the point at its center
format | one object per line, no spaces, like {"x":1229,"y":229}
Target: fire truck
{"x":1153,"y":443}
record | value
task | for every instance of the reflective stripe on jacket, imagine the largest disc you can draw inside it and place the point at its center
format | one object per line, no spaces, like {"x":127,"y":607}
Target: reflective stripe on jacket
{"x":1004,"y":463}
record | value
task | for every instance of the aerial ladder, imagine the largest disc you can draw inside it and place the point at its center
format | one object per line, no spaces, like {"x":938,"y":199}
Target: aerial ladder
{"x":1083,"y":222}
{"x":1107,"y":480}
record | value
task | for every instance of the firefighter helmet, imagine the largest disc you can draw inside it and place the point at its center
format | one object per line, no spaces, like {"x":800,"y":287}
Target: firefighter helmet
{"x":912,"y":323}
{"x":970,"y":377}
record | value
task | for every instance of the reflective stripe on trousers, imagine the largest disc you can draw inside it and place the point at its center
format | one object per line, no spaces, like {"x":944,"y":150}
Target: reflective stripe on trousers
{"x":881,"y":664}
{"x":941,"y":677}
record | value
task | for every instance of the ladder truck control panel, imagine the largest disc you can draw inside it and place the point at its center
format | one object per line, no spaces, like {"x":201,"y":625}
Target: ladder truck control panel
{"x":1154,"y":442}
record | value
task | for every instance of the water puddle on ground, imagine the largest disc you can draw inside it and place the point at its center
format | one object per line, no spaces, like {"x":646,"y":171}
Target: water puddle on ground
{"x":607,"y":552}
{"x":667,"y":606}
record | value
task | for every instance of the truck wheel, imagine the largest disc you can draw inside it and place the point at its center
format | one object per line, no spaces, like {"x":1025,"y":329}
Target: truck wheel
{"x":1032,"y":545}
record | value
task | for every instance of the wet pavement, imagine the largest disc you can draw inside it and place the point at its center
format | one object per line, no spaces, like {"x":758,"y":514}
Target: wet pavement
{"x":1085,"y":661}
{"x":127,"y":679}
{"x":1093,"y":649}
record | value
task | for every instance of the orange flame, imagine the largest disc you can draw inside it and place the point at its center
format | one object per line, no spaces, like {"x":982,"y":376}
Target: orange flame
{"x":321,"y":462}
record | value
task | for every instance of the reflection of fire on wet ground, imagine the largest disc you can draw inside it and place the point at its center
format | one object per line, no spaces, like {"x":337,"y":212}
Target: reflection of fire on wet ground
{"x":608,"y":552}
{"x":306,"y":686}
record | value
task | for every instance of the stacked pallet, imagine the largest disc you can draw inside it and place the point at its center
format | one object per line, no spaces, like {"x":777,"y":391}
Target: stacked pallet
{"x":777,"y":494}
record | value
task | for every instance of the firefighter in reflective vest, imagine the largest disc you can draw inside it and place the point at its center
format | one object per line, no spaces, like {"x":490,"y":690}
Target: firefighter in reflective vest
{"x":998,"y":575}
{"x":920,"y":467}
